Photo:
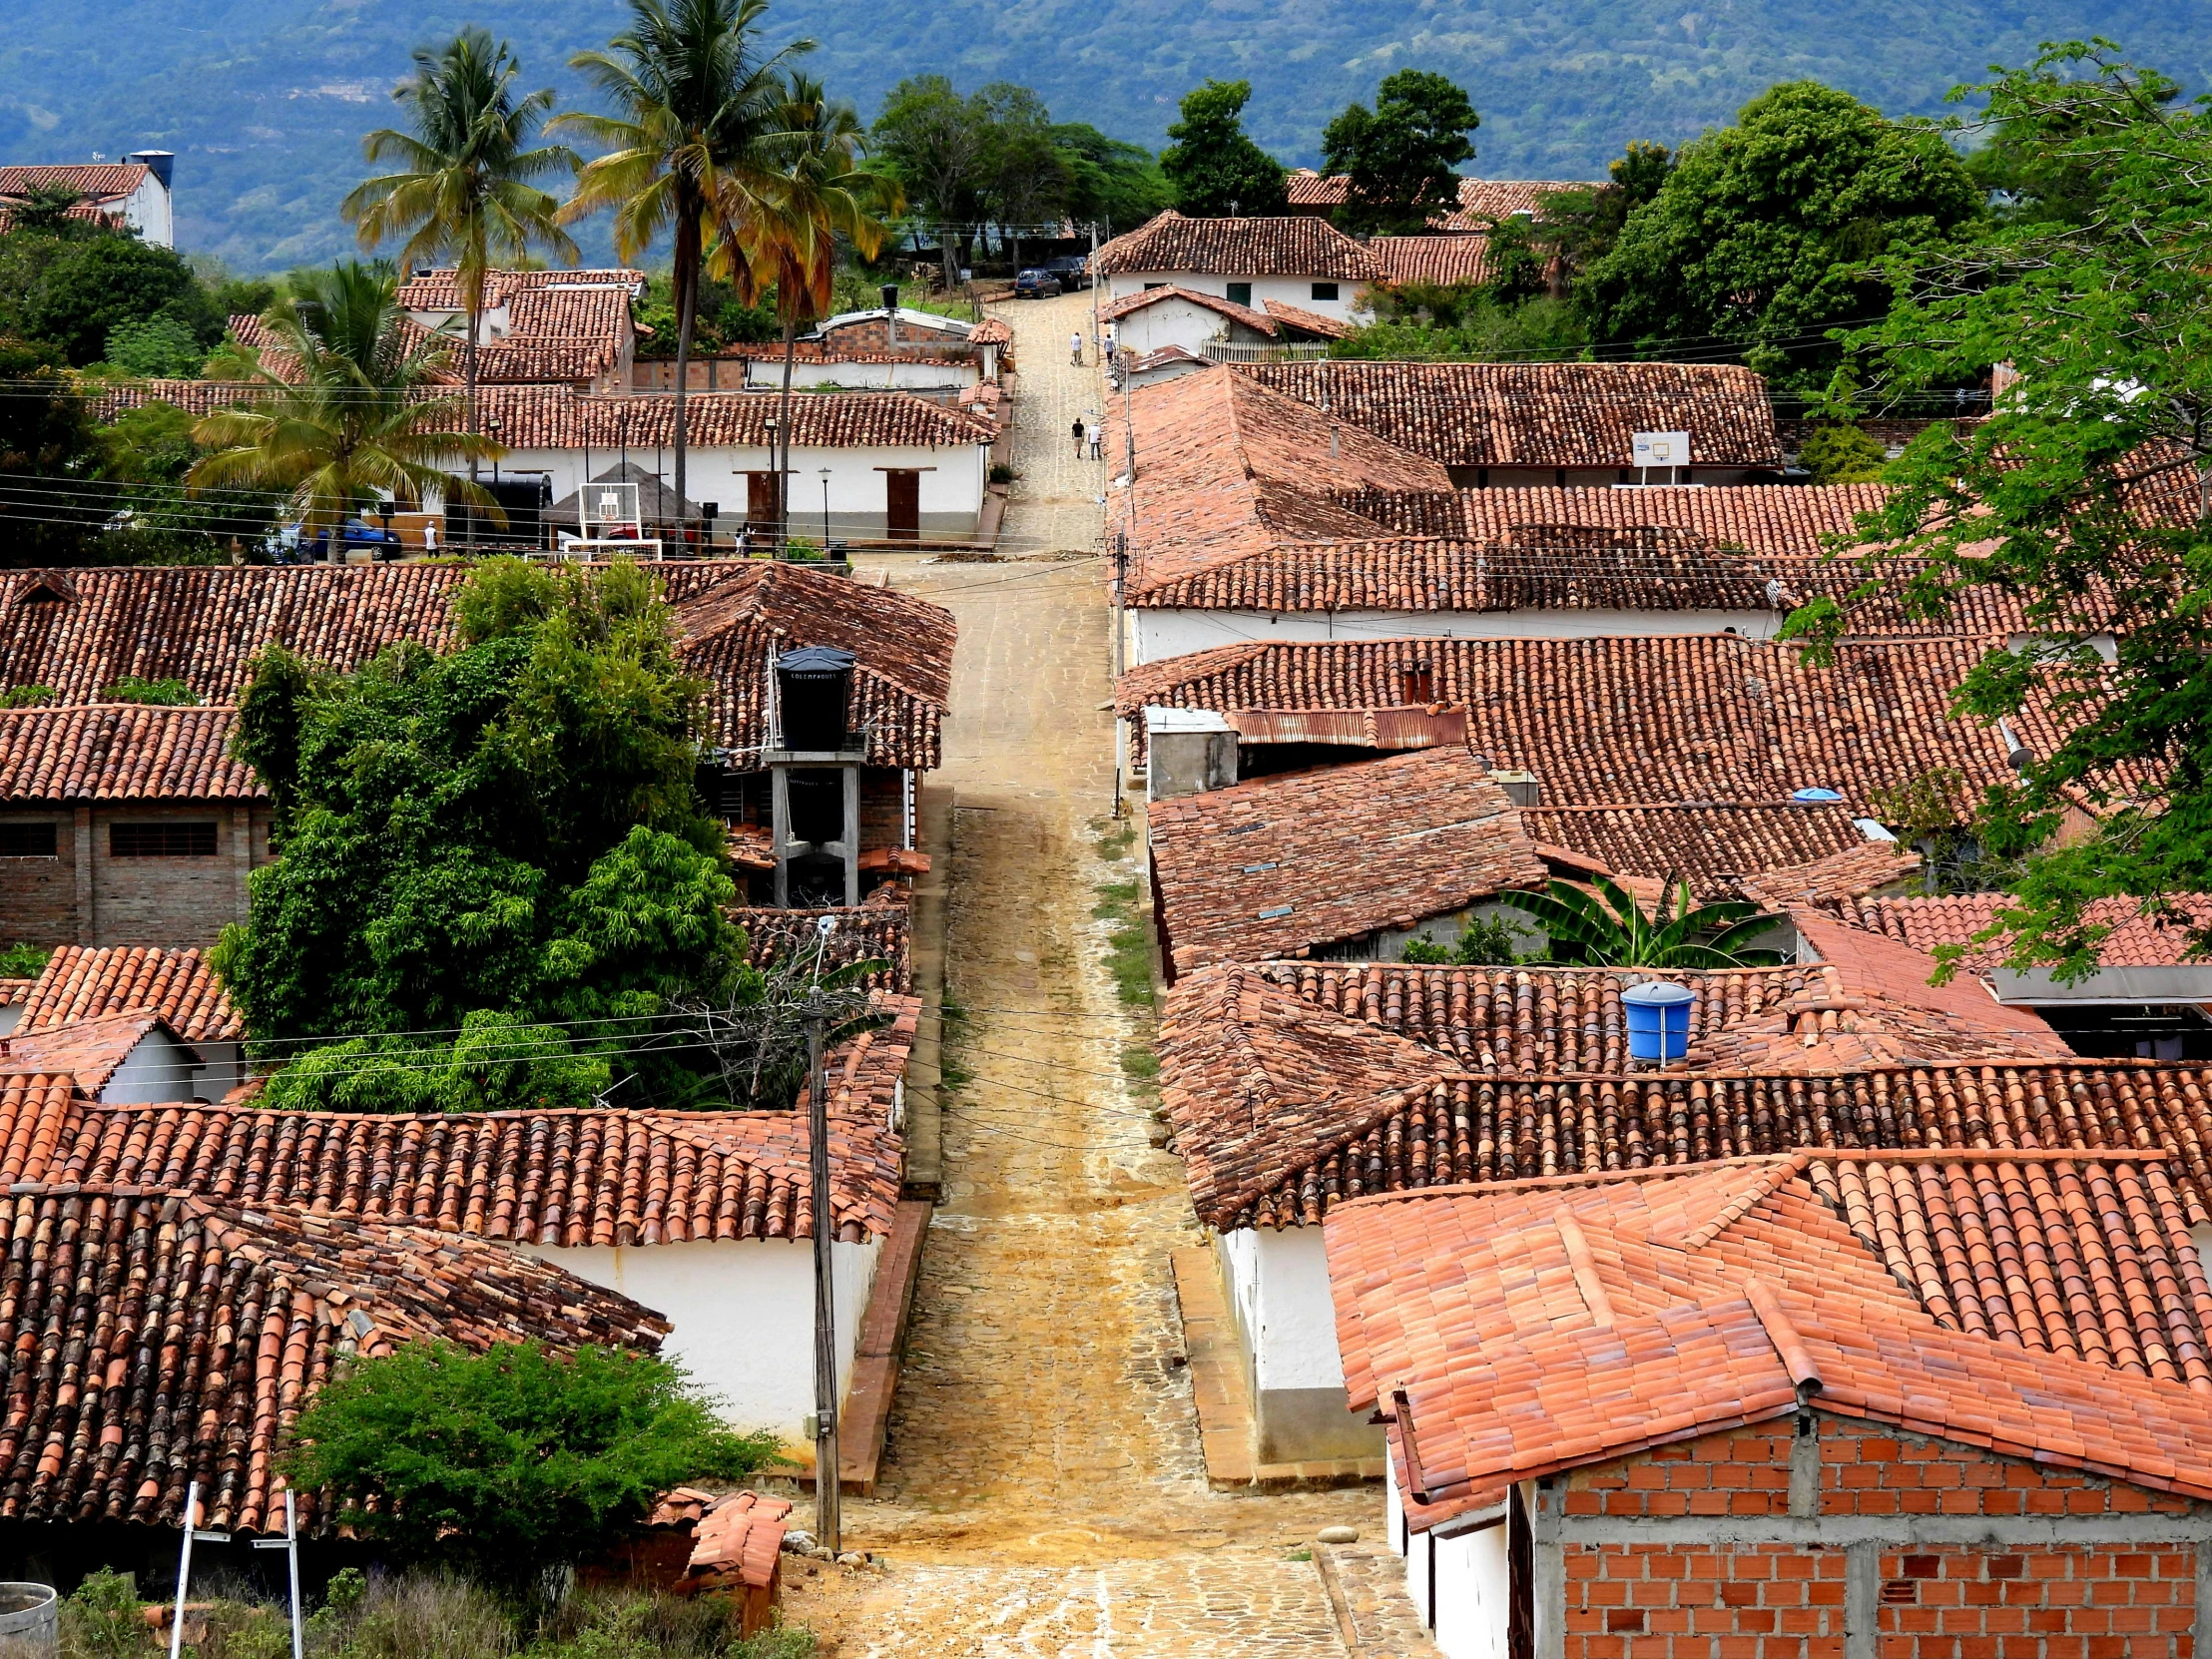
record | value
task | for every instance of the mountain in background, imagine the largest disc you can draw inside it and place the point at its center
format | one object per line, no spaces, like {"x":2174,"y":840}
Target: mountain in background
{"x":264,"y":101}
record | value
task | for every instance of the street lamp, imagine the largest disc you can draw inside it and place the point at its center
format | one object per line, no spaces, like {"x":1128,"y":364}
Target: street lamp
{"x":826,"y":512}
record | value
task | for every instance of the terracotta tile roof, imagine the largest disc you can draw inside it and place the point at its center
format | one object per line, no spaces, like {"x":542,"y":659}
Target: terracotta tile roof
{"x":545,"y":1177}
{"x":1542,"y":414}
{"x":1258,"y":322}
{"x":1444,"y":262}
{"x":1726,"y":1295}
{"x":863,"y":931}
{"x":97,"y":181}
{"x":901,"y":688}
{"x":204,"y":623}
{"x":121,"y":752}
{"x":992,"y":330}
{"x":738,"y":1538}
{"x":1298,"y":245}
{"x":1846,"y":873}
{"x":1285,"y":864}
{"x":1145,"y":362}
{"x":173,"y":1338}
{"x":560,"y":417}
{"x":1482,"y":201}
{"x":439,"y":290}
{"x":1709,"y":844}
{"x":1796,"y":521}
{"x":1226,"y":468}
{"x":84,"y":982}
{"x":13,"y":992}
{"x":1656,"y":719}
{"x":89,"y":1049}
{"x":1305,"y":321}
{"x":1924,"y":923}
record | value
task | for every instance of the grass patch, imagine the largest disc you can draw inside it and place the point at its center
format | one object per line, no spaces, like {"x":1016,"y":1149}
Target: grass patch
{"x":1301,"y":1553}
{"x":1128,"y":944}
{"x":953,"y":1022}
{"x":1140,"y":1064}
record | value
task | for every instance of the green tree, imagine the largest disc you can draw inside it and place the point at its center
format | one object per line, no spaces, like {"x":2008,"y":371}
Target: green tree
{"x":465,"y":188}
{"x":1403,"y":155}
{"x":937,"y":143}
{"x":696,"y":105}
{"x":1028,"y":177}
{"x":345,"y":420}
{"x":162,"y":694}
{"x":493,"y":842}
{"x":158,"y":347}
{"x":1485,"y":941}
{"x":92,"y":284}
{"x":46,"y":442}
{"x":1213,"y":166}
{"x":818,"y":193}
{"x":2091,"y":478}
{"x":1608,"y":928}
{"x":513,"y":1461}
{"x":1757,"y":242}
{"x":1117,"y":185}
{"x":1574,"y":228}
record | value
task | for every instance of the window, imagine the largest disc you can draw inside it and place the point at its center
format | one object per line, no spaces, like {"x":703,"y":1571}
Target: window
{"x":26,"y":840}
{"x":1240,"y":294}
{"x":1324,"y":290}
{"x":161,"y":840}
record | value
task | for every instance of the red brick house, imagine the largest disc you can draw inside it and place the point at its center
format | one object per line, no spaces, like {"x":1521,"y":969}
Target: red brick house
{"x":1824,"y":1403}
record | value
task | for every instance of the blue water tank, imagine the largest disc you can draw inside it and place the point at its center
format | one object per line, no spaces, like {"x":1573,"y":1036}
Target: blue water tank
{"x":1812,"y":797}
{"x":1658,"y":1020}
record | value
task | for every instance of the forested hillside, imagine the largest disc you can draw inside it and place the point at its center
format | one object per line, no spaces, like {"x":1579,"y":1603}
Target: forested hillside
{"x":265,"y":100}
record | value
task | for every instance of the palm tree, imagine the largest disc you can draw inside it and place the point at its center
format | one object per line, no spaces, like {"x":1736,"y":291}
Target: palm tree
{"x":341,"y":417}
{"x":818,"y":193}
{"x":697,"y":105}
{"x":464,"y":190}
{"x":1610,"y":930}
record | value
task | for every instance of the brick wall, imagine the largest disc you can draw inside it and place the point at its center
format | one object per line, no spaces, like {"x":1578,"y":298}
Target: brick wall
{"x":1750,"y":1601}
{"x":1672,"y":1598}
{"x":38,"y":896}
{"x":882,"y":807}
{"x":159,"y":901}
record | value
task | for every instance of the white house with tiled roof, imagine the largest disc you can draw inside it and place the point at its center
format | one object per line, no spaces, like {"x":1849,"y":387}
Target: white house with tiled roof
{"x":132,"y":194}
{"x":1302,"y":262}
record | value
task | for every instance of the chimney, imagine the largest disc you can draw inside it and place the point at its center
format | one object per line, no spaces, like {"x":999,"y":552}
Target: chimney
{"x":889,"y":294}
{"x":1332,"y":440}
{"x":1521,"y":787}
{"x":1188,"y":752}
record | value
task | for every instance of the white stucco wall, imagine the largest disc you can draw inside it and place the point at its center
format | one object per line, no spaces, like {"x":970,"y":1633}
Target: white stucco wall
{"x":951,"y":490}
{"x":1176,"y":322}
{"x":149,"y":212}
{"x":1155,"y":634}
{"x":1461,"y":1585}
{"x":1292,"y":291}
{"x":909,"y":376}
{"x":743,"y":1311}
{"x":1280,"y":1285}
{"x":159,"y":1067}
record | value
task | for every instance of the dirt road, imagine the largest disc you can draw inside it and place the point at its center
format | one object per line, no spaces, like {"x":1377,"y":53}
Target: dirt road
{"x":1043,"y":1491}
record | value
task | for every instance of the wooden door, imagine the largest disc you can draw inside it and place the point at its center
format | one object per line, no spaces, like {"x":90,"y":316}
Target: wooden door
{"x":759,"y":498}
{"x":902,"y":503}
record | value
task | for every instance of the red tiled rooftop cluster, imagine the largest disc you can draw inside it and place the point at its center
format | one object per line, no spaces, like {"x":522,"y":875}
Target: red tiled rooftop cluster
{"x":121,"y":752}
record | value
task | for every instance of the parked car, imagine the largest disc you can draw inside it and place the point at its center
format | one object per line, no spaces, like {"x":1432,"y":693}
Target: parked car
{"x":1035,"y":284}
{"x":1071,"y":271}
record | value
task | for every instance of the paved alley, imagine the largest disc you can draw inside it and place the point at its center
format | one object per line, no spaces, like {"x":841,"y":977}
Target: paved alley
{"x":1043,"y":1491}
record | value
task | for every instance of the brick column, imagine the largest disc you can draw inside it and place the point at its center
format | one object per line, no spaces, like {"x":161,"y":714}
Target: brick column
{"x":241,"y":850}
{"x":85,"y":930}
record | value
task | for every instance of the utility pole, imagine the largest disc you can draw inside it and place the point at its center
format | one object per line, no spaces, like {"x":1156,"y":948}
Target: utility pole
{"x":1121,"y":622}
{"x":1090,"y":265}
{"x":827,"y":1509}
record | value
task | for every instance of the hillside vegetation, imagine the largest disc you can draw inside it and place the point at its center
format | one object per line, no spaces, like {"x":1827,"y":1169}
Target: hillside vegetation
{"x":265,"y":103}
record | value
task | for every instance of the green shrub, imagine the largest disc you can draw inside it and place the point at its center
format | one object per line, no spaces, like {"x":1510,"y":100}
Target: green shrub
{"x":630,"y":1624}
{"x":26,"y":697}
{"x":513,"y":1461}
{"x":23,"y":961}
{"x":170,"y":693}
{"x":102,"y":1619}
{"x":1842,"y":455}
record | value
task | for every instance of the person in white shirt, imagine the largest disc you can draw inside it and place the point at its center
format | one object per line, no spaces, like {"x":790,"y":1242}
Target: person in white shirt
{"x":1075,"y":349}
{"x":1094,"y":436}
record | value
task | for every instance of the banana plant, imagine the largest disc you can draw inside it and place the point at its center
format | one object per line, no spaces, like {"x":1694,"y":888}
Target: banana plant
{"x":1608,"y":928}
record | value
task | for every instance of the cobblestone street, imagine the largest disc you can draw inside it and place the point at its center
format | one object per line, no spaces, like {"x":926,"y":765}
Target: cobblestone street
{"x":1043,"y":1491}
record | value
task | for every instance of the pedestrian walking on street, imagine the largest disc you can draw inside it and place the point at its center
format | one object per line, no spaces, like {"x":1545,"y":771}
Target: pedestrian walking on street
{"x":1075,"y":349}
{"x":1076,"y":431}
{"x":1095,"y":436}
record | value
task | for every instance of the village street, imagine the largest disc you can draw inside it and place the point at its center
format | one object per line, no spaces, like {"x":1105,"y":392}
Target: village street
{"x":1043,"y":1490}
